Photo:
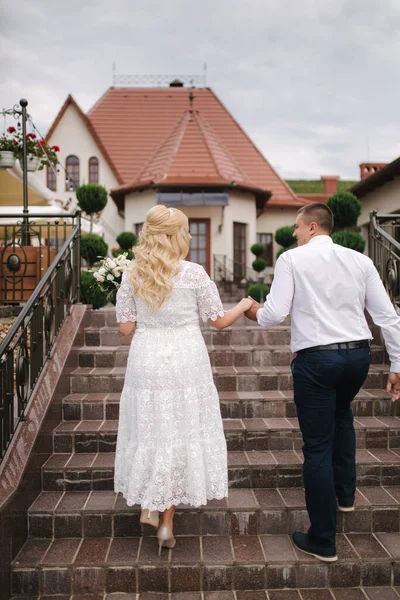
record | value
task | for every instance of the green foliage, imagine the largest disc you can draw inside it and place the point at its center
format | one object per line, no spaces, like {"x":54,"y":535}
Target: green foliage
{"x":259,"y":264}
{"x":349,"y":239}
{"x":257,"y":249}
{"x":281,"y":251}
{"x":92,"y":198}
{"x":304,"y":186}
{"x":126,"y":240}
{"x":92,"y":247}
{"x":255,"y":291}
{"x":346,"y":208}
{"x":91,"y":292}
{"x":284,"y":236}
{"x":129,"y":253}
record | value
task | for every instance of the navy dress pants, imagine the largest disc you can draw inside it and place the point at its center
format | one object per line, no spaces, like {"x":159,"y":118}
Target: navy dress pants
{"x":325,"y":382}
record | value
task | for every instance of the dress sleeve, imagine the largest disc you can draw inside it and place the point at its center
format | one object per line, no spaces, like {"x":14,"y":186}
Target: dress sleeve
{"x":208,"y":299}
{"x":125,"y":307}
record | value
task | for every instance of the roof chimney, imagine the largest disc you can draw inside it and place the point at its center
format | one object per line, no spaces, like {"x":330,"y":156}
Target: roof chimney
{"x":330,"y":183}
{"x":367,"y":169}
{"x":176,"y":83}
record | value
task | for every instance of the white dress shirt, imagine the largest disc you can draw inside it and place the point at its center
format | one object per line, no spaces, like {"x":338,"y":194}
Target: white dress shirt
{"x":325,"y":288}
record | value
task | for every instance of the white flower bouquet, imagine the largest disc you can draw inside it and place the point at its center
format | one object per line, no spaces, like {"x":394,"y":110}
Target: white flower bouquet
{"x":109,"y":274}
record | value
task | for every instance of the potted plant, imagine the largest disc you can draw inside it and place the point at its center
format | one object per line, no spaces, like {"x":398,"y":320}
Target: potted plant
{"x":92,"y":198}
{"x":8,"y":149}
{"x":39,"y":153}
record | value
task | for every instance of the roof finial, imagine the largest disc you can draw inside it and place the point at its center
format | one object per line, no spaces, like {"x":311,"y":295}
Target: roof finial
{"x":191,"y":99}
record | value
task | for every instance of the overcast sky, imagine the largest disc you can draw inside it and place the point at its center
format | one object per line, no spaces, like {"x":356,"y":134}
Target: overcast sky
{"x":315,"y":83}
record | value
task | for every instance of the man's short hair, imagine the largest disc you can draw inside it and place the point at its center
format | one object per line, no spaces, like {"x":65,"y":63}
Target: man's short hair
{"x":318,"y":212}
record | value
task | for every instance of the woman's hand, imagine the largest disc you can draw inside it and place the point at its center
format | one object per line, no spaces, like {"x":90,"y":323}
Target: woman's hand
{"x":246,"y":303}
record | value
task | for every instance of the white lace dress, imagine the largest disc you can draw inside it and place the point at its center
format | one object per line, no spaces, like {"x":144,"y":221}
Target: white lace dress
{"x":171,"y":447}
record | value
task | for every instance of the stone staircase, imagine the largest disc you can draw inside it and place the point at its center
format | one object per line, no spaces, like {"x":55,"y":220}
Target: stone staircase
{"x":84,"y":541}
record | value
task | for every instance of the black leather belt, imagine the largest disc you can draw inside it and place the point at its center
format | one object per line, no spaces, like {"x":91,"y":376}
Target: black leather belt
{"x":339,"y":346}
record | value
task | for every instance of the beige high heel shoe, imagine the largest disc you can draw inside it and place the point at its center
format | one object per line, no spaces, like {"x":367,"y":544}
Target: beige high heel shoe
{"x":150,"y":517}
{"x":165,"y":538}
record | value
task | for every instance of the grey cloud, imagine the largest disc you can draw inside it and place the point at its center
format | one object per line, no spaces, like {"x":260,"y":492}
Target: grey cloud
{"x":309,"y":81}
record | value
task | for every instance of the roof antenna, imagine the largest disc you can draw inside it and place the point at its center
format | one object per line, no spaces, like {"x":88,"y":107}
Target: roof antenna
{"x":191,"y":99}
{"x":205,"y":74}
{"x":114,"y":73}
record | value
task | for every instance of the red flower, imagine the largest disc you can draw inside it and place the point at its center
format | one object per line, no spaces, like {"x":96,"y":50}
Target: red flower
{"x":15,"y":142}
{"x":55,"y":148}
{"x":11,"y":129}
{"x":41,"y":143}
{"x":31,"y":136}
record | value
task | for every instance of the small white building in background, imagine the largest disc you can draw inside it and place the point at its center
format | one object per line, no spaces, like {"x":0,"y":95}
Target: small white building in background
{"x":180,"y":147}
{"x":378,"y":189}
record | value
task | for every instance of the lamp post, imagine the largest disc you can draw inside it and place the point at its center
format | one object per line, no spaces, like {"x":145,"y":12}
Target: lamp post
{"x":17,"y":112}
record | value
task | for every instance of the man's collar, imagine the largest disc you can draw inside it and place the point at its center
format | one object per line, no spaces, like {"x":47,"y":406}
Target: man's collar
{"x":322,"y":238}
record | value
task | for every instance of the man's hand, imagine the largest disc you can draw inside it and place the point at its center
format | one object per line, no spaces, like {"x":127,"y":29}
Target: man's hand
{"x":393,"y":385}
{"x":252,"y":312}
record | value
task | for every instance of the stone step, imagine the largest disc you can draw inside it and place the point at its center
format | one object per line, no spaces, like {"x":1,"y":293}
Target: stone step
{"x":241,"y":434}
{"x":201,"y":563}
{"x":220,"y":356}
{"x":249,"y":336}
{"x":244,"y":512}
{"x":247,"y":469}
{"x":234,"y":405}
{"x":227,"y":379}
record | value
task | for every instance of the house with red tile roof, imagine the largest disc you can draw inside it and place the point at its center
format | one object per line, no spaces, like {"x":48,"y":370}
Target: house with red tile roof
{"x":179,"y":147}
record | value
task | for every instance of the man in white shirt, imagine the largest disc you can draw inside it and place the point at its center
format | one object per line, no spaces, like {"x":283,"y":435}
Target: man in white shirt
{"x":325,"y":289}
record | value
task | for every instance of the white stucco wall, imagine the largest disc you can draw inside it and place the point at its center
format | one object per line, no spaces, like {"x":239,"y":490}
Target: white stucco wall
{"x":241,"y":209}
{"x":72,"y":136}
{"x":272,"y":219}
{"x":386,"y":199}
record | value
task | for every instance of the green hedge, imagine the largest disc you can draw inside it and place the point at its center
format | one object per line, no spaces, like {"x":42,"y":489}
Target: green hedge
{"x":92,"y":247}
{"x":257,"y":249}
{"x":346,"y":208}
{"x":349,"y":239}
{"x":90,"y":291}
{"x":284,"y":236}
{"x":259,"y":264}
{"x":126,"y":240}
{"x":255,"y":290}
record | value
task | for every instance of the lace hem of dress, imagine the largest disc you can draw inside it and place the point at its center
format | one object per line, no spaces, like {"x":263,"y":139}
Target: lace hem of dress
{"x":129,"y":318}
{"x":120,"y":487}
{"x":214,"y":316}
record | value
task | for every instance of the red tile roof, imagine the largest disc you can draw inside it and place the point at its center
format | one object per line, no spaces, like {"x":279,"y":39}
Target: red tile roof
{"x":150,"y":134}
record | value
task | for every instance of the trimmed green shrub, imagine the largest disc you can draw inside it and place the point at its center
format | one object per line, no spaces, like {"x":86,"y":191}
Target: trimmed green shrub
{"x":126,"y":240}
{"x":92,"y":247}
{"x":281,"y":251}
{"x":284,"y":236}
{"x":257,"y":249}
{"x":346,"y":208}
{"x":255,"y":291}
{"x":259,"y":264}
{"x":90,"y":291}
{"x":129,"y":253}
{"x":92,"y":198}
{"x":349,"y":239}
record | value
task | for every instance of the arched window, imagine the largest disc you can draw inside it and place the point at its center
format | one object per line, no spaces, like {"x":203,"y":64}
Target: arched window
{"x":51,"y":178}
{"x":72,"y":168}
{"x":93,"y":170}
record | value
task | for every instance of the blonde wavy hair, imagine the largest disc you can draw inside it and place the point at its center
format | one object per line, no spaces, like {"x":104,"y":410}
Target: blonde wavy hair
{"x":163,"y":242}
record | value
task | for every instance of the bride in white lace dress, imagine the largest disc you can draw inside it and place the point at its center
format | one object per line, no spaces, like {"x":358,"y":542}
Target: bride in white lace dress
{"x":171,"y":447}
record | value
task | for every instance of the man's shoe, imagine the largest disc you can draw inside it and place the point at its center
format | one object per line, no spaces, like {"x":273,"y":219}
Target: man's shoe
{"x":302,"y":542}
{"x":345,"y":508}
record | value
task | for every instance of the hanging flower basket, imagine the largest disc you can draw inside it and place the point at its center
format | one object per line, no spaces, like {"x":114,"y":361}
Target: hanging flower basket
{"x":7,"y":159}
{"x":32,"y":162}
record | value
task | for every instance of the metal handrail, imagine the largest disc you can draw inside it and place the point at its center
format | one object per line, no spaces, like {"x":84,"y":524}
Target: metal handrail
{"x":27,"y":345}
{"x":385,"y":251}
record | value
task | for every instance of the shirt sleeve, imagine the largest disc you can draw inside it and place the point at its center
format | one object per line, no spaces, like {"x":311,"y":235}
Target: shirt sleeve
{"x":383,"y":314}
{"x":278,"y":303}
{"x":208,"y":298}
{"x":125,"y":306}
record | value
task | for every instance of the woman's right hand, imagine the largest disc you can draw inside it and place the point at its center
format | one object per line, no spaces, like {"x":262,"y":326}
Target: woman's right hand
{"x":245,"y":304}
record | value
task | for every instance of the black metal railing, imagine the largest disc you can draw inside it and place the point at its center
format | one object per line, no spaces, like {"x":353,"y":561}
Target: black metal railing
{"x":228,"y":273}
{"x":28,"y":343}
{"x":384,"y":250}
